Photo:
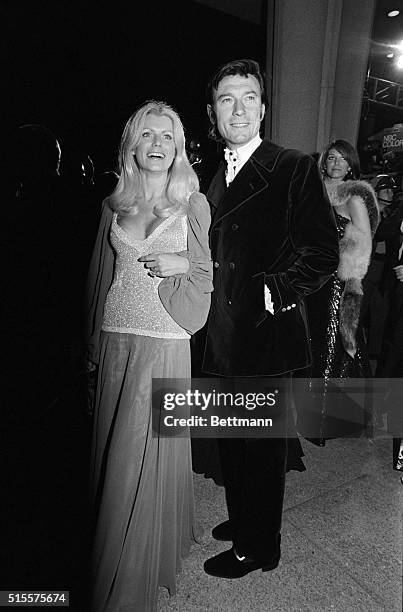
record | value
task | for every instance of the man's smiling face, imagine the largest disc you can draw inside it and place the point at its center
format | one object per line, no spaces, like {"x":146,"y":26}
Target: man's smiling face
{"x":238,"y":109}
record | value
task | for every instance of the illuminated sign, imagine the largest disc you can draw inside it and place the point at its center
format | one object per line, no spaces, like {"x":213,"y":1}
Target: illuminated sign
{"x":392,"y":139}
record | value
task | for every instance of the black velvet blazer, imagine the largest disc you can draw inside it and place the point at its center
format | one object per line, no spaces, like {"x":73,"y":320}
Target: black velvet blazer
{"x":272,"y":226}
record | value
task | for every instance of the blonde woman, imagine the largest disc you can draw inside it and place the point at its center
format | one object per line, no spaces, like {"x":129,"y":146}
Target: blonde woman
{"x":149,"y":290}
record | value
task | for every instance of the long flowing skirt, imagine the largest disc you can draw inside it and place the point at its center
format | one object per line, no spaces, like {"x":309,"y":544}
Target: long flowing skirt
{"x":142,"y":485}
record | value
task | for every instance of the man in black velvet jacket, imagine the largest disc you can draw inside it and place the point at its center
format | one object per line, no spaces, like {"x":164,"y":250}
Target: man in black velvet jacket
{"x":273,"y":241}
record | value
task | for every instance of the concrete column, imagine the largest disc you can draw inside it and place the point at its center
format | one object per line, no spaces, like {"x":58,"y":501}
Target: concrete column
{"x":317,"y":55}
{"x":352,"y":60}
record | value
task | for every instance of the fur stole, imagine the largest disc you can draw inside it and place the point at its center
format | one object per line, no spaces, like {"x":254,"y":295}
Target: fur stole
{"x":355,"y":256}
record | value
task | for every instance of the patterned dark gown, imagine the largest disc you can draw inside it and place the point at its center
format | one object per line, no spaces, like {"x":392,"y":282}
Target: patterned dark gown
{"x":331,"y":410}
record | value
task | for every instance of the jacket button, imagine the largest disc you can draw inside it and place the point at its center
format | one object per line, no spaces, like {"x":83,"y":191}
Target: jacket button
{"x":216,"y":264}
{"x":231,"y":265}
{"x":234,"y":227}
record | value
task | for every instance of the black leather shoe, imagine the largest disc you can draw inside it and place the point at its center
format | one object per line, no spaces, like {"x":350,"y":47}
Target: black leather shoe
{"x":223,"y":532}
{"x":228,"y":565}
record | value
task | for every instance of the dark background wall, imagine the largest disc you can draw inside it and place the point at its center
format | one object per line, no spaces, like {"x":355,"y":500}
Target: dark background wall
{"x":81,"y":68}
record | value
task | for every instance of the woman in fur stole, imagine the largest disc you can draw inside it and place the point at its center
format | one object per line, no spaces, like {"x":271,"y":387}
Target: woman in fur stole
{"x":338,"y":349}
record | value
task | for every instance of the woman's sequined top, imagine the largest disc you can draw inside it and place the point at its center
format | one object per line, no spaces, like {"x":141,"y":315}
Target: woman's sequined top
{"x":133,"y":304}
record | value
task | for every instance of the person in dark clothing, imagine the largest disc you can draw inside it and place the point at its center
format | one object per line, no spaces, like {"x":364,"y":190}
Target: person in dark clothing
{"x":390,"y":362}
{"x":374,"y":307}
{"x":273,"y":241}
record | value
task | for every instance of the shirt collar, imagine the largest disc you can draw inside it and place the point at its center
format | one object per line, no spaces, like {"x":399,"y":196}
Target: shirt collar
{"x":246,"y":150}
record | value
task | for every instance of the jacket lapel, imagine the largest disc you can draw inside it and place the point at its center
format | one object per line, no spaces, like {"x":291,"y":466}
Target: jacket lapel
{"x":217,"y":188}
{"x":250,"y":181}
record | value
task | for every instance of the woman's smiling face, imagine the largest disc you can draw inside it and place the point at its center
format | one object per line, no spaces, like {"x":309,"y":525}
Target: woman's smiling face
{"x":156,"y":149}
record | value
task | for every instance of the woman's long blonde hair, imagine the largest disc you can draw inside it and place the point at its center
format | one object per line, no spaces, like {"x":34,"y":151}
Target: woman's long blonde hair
{"x":182,"y":179}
